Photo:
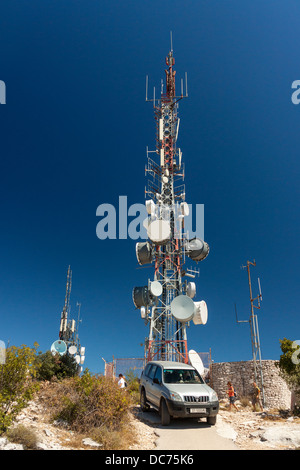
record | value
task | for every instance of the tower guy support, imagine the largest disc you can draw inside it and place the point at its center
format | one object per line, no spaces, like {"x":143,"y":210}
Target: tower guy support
{"x":166,"y":303}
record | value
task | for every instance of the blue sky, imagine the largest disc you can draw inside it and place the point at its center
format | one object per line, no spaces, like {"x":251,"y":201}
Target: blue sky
{"x":74,"y":133}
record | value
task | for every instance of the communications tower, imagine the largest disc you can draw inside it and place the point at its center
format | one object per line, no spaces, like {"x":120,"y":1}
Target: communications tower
{"x":166,"y":302}
{"x":68,"y":342}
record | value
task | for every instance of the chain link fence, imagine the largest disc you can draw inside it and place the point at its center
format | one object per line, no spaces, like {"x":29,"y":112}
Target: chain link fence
{"x":135,"y":365}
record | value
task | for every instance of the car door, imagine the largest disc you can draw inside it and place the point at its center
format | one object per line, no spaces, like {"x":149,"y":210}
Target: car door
{"x":149,"y":384}
{"x":156,"y":386}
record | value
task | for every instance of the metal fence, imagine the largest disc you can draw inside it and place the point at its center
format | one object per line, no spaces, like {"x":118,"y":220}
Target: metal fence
{"x":135,"y":365}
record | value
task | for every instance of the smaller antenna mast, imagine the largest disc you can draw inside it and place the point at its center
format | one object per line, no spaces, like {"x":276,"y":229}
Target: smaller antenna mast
{"x":257,"y":364}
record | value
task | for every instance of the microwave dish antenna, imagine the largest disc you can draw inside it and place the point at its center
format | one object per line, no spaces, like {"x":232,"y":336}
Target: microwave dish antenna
{"x":196,"y":362}
{"x":59,"y":347}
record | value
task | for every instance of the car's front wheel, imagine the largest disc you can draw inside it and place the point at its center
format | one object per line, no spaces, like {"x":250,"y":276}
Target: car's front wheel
{"x":211,"y":420}
{"x":165,"y":417}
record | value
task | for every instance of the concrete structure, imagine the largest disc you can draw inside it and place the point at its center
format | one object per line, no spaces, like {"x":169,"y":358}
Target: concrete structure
{"x":241,"y":375}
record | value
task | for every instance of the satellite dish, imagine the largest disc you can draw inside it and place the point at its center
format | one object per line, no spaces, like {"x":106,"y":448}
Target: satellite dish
{"x":146,"y":223}
{"x":143,"y":252}
{"x":156,"y":288}
{"x":159,"y":231}
{"x":201,"y":313}
{"x":185,"y":208}
{"x":140,"y":296}
{"x":196,"y":361}
{"x":197,"y":249}
{"x":150,"y":206}
{"x":191,"y":290}
{"x":77,"y":358}
{"x":59,"y":347}
{"x":72,"y":349}
{"x":143,"y":312}
{"x":182,"y":308}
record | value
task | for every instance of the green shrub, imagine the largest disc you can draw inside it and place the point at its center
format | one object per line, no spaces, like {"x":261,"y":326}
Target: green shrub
{"x":16,"y":383}
{"x":49,"y":366}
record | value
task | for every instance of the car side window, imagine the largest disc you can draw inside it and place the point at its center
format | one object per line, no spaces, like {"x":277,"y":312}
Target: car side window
{"x":148,"y":367}
{"x":158,"y":374}
{"x":152,"y":371}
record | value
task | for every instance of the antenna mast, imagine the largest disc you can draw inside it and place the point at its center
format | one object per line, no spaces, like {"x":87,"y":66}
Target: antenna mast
{"x":66,"y":308}
{"x":166,"y":302}
{"x":255,"y":341}
{"x":69,"y":342}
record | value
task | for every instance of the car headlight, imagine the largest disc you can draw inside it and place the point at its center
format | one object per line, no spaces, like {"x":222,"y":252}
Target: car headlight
{"x":214,"y":396}
{"x":175,"y":396}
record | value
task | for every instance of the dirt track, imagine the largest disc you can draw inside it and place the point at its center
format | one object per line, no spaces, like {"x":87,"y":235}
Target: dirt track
{"x":242,"y":430}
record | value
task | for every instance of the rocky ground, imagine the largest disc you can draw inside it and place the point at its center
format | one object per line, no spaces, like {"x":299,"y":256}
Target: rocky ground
{"x":249,"y":431}
{"x":267,"y":430}
{"x":56,"y":436}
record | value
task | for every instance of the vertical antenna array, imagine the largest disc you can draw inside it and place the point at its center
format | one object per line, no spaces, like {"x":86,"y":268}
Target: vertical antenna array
{"x":166,"y":303}
{"x":253,"y":321}
{"x":68,"y":342}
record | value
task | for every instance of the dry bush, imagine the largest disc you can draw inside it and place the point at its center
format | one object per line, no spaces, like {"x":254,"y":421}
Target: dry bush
{"x":91,"y":406}
{"x":88,"y":402}
{"x":245,"y":401}
{"x":119,"y":439}
{"x":22,"y":435}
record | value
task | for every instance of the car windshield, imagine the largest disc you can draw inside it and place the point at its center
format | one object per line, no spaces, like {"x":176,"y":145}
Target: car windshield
{"x":182,"y":376}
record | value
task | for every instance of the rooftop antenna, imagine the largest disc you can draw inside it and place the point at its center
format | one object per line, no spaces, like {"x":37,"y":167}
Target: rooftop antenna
{"x":255,"y":341}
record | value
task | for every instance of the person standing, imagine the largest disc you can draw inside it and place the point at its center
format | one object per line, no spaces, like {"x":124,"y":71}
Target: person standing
{"x":121,"y":382}
{"x":256,"y":397}
{"x":231,"y":395}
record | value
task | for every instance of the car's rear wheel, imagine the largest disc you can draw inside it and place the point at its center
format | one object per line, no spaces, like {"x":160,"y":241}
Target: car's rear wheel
{"x":143,"y":401}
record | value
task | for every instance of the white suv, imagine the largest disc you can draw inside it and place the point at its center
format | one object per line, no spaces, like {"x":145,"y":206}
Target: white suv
{"x":177,"y":390}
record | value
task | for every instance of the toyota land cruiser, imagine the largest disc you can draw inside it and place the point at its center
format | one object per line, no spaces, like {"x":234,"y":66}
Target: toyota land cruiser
{"x":177,"y":390}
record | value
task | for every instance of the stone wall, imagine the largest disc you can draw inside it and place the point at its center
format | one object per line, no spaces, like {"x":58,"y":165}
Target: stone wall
{"x":241,"y":375}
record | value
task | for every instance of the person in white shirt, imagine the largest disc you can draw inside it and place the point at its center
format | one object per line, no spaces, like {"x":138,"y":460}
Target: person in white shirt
{"x":121,"y":382}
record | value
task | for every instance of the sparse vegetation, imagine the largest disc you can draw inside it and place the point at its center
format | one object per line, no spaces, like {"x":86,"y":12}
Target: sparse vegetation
{"x":245,"y":401}
{"x":17,"y":386}
{"x":90,"y":405}
{"x":23,"y":435}
{"x":93,"y":405}
{"x":289,"y":365}
{"x":49,"y":366}
{"x":133,"y":386}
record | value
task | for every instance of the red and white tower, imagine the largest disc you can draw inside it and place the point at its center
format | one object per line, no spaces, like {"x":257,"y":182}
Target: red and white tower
{"x":166,"y":302}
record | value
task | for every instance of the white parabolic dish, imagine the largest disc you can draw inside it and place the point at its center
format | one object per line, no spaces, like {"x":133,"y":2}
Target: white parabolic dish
{"x":156,"y":288}
{"x":196,"y":361}
{"x":182,"y":308}
{"x":72,"y":349}
{"x":191,"y":290}
{"x":159,"y":231}
{"x":201,"y":313}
